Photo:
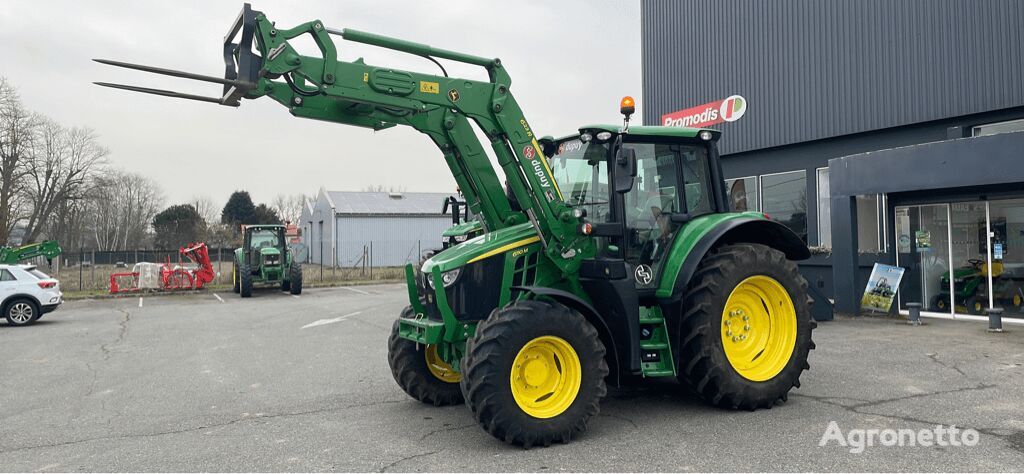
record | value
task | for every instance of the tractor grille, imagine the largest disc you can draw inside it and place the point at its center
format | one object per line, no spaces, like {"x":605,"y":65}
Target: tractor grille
{"x":472,"y":296}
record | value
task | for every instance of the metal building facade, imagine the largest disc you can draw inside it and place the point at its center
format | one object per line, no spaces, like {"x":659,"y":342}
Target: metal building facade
{"x":838,"y":91}
{"x":373,"y":228}
{"x":813,"y":69}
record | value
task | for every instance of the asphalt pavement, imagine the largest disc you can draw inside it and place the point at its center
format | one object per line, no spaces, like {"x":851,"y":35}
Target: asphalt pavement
{"x":212,"y":382}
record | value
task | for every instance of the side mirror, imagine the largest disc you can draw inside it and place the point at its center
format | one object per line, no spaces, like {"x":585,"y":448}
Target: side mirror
{"x":625,"y":169}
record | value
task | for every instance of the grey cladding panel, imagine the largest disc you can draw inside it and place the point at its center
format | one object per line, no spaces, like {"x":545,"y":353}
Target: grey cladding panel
{"x":813,"y":69}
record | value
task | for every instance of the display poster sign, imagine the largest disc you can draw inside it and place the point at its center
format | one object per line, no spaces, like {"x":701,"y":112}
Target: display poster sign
{"x":924,"y":240}
{"x":882,"y":286}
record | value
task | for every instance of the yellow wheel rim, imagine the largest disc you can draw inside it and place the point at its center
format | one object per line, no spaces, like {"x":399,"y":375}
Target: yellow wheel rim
{"x":759,"y":328}
{"x":1016,"y":300}
{"x":978,"y":306}
{"x":546,"y":376}
{"x":439,"y":367}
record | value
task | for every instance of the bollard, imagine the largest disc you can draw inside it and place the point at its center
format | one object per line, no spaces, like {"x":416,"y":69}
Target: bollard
{"x":995,"y":320}
{"x":915,"y":314}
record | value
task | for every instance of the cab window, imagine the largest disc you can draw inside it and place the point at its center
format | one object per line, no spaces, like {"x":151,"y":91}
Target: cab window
{"x":671,"y":178}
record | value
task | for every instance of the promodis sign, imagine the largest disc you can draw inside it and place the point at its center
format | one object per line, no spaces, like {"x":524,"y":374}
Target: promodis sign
{"x":729,"y":109}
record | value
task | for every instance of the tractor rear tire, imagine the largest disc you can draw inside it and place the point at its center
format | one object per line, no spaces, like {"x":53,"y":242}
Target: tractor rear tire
{"x":735,"y":352}
{"x":234,"y":277}
{"x":245,"y":280}
{"x":534,"y":373}
{"x":420,"y":372}
{"x":295,"y":278}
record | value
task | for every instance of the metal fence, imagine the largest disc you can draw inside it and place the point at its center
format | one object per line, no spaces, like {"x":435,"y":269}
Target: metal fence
{"x":89,"y":270}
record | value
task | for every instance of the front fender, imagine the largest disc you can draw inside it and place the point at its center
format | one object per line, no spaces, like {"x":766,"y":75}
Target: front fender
{"x":698,"y":237}
{"x":604,"y":331}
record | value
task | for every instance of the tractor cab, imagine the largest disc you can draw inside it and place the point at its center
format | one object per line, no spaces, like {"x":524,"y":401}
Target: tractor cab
{"x":637,"y":187}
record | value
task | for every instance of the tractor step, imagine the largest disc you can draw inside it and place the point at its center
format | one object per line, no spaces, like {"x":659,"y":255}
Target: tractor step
{"x":656,"y":352}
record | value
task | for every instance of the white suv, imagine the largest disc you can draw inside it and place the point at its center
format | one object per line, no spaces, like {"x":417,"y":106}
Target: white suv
{"x":27,"y":294}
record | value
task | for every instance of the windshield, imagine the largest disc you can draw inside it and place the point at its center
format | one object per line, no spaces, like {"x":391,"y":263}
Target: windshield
{"x":264,"y":238}
{"x":581,"y":171}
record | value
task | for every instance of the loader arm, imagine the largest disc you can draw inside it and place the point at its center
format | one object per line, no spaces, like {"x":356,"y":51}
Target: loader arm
{"x":264,"y":63}
{"x":46,"y":248}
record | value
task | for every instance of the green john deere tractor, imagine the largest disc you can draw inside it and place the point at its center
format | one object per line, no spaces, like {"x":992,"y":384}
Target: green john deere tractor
{"x":612,"y":257}
{"x":264,"y":259}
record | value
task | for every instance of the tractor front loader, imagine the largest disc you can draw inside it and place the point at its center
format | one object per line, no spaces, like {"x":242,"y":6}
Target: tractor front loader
{"x":613,"y":256}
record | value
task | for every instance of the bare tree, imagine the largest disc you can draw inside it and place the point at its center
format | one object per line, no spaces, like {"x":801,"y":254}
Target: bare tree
{"x":380,"y":188}
{"x":289,"y":207}
{"x":121,"y":208}
{"x":17,"y":126}
{"x":206,"y":208}
{"x":62,"y":163}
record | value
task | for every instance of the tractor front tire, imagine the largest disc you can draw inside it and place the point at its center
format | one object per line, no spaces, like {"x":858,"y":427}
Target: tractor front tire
{"x":420,"y":371}
{"x":534,"y":373}
{"x":746,"y":328}
{"x":295,"y":278}
{"x":234,"y":277}
{"x":245,"y":280}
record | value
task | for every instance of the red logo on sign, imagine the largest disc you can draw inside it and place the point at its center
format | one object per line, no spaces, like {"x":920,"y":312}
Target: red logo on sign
{"x":528,"y":151}
{"x":726,"y":110}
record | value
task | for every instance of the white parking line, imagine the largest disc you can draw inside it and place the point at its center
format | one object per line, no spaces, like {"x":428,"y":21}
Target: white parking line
{"x":357,"y":290}
{"x":215,"y":295}
{"x":140,"y":301}
{"x":321,"y":322}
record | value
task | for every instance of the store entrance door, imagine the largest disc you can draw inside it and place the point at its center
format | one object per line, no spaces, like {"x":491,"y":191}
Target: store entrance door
{"x":922,"y":248}
{"x":962,"y":258}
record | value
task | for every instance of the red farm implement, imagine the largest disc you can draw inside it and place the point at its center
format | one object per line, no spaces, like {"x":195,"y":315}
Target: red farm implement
{"x":168,"y":276}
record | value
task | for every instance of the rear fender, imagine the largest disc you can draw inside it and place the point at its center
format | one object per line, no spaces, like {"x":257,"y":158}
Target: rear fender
{"x":687,"y":253}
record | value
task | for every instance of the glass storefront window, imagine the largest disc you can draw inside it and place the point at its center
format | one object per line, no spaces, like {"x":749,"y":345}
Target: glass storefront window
{"x":784,"y":199}
{"x":868,"y":227}
{"x":825,"y":210}
{"x":922,"y":248}
{"x":999,"y":127}
{"x":1007,"y":226}
{"x":743,"y":194}
{"x":978,"y":266}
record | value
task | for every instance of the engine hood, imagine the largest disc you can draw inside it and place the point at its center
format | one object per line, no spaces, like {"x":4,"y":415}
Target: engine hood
{"x":492,"y":244}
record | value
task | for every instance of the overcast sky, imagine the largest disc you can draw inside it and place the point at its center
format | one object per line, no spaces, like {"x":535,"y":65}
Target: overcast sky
{"x":570,"y":62}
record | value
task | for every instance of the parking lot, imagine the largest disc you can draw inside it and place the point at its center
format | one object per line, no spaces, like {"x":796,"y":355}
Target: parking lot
{"x":211,"y":382}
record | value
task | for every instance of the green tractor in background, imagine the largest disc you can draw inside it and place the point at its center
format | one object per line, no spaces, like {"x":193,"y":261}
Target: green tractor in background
{"x":611,"y":255}
{"x":264,"y":259}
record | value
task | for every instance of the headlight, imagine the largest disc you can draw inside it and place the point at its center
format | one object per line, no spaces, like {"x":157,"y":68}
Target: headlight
{"x":705,"y":135}
{"x":447,"y":278}
{"x":461,"y":238}
{"x":604,"y":136}
{"x":958,"y":280}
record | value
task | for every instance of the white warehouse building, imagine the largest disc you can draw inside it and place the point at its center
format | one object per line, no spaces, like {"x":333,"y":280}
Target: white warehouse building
{"x":350,"y":228}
